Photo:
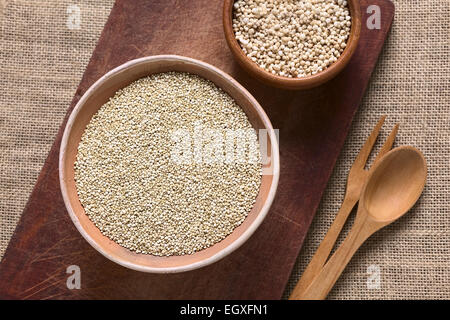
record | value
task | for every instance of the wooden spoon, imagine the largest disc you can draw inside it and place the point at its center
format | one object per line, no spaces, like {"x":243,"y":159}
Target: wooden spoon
{"x":392,"y":188}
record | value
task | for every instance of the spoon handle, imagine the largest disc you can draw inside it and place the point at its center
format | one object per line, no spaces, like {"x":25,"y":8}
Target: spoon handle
{"x":325,"y":247}
{"x":327,"y":277}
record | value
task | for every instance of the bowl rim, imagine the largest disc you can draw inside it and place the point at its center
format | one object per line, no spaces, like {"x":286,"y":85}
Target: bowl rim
{"x":223,"y":252}
{"x":293,"y":83}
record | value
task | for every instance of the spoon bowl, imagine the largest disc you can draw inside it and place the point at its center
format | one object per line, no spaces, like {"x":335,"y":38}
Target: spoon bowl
{"x":395,"y":185}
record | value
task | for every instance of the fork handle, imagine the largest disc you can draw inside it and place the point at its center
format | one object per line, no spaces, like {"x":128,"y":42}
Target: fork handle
{"x":362,"y":228}
{"x":323,"y":252}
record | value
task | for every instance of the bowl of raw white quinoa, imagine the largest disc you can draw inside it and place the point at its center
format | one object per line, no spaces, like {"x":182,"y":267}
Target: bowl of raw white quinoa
{"x":292,"y":44}
{"x":167,"y":164}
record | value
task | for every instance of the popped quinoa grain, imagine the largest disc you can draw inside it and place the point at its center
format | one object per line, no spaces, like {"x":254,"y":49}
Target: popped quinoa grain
{"x":136,"y":194}
{"x":292,"y":38}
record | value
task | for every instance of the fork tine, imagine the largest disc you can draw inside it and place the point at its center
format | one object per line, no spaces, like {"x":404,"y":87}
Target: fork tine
{"x":367,"y":148}
{"x":388,"y":143}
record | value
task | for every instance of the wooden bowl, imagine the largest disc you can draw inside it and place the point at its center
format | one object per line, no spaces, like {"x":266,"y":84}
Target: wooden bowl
{"x":88,"y":105}
{"x":285,"y":82}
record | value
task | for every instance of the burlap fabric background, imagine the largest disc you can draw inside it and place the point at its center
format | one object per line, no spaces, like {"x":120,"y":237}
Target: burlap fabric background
{"x":39,"y":55}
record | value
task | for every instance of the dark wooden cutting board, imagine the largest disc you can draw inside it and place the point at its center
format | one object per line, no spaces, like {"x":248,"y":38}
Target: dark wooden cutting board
{"x":313,"y":126}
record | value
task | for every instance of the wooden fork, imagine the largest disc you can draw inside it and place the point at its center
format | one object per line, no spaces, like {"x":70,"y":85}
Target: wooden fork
{"x":356,"y":179}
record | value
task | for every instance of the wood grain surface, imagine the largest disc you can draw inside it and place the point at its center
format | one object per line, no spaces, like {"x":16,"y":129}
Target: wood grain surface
{"x":313,"y":126}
